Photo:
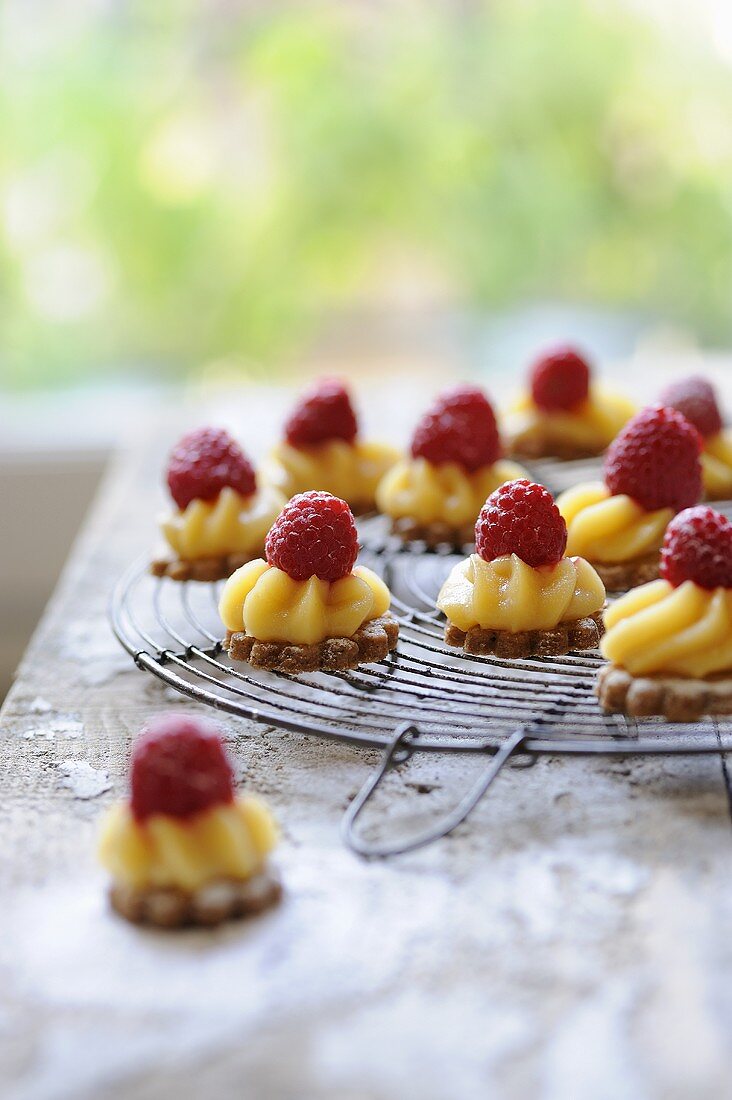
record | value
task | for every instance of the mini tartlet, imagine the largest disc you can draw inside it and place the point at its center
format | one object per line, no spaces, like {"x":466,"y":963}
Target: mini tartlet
{"x":696,"y":399}
{"x":669,"y":642}
{"x":221,"y":517}
{"x":306,"y":608}
{"x":564,"y":413}
{"x":652,"y":471}
{"x":518,"y":595}
{"x":185,"y":849}
{"x":322,"y":450}
{"x":455,"y":462}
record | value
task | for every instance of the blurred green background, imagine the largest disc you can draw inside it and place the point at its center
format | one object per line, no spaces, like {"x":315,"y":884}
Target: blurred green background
{"x":186,"y":183}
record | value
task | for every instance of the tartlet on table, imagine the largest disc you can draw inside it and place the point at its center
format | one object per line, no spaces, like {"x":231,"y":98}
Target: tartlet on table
{"x":518,"y":595}
{"x":322,"y":449}
{"x":651,"y":472}
{"x":564,"y":412}
{"x":221,"y":515}
{"x":185,"y":848}
{"x":669,"y":643}
{"x":696,"y":398}
{"x":455,"y":461}
{"x":307,"y":606}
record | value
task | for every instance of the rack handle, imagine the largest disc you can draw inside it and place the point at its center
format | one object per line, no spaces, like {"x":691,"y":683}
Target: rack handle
{"x":398,"y":752}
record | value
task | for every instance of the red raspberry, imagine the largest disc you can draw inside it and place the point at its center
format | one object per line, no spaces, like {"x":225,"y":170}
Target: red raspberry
{"x":521,"y":518}
{"x":698,"y":547}
{"x":313,"y":536}
{"x":655,"y":460}
{"x":459,"y":427}
{"x":179,"y":768}
{"x":206,"y":461}
{"x":560,"y":380}
{"x":696,"y":399}
{"x":324,"y":412}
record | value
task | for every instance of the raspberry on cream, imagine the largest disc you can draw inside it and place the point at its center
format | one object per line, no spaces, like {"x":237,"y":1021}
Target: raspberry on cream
{"x":696,"y":398}
{"x":322,"y":450}
{"x":222,"y":516}
{"x":564,"y":412}
{"x":455,"y":463}
{"x":651,"y":471}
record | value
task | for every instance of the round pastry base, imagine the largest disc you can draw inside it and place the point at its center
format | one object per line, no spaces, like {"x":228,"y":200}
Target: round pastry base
{"x":218,"y":901}
{"x":568,"y":637}
{"x":672,"y":697}
{"x":201,"y":569}
{"x":620,"y":576}
{"x":371,"y":642}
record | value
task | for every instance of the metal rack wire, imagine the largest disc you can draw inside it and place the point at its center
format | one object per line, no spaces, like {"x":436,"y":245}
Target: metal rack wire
{"x":424,"y":697}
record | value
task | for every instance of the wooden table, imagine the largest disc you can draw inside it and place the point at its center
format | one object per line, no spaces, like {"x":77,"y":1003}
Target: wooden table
{"x":572,"y":940}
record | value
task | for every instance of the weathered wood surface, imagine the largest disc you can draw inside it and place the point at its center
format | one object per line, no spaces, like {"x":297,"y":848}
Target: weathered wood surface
{"x":572,"y":940}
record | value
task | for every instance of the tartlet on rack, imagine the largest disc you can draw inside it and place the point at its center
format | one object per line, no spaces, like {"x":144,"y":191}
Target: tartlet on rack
{"x":308,"y":607}
{"x":221,"y":517}
{"x":435,"y":494}
{"x":696,"y":398}
{"x":518,"y":595}
{"x":322,"y":450}
{"x":652,"y":471}
{"x":185,"y":849}
{"x":669,"y":643}
{"x":564,"y":413}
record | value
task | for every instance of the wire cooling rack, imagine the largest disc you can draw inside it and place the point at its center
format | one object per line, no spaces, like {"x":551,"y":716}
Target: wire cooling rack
{"x":424,"y":696}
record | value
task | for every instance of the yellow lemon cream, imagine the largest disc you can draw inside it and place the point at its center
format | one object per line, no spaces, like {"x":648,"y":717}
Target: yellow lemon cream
{"x":591,"y":426}
{"x":607,"y":528}
{"x":226,"y":841}
{"x":684,"y":631}
{"x":231,"y":524}
{"x":347,"y":470}
{"x":716,"y":461}
{"x":265,"y":603}
{"x":508,"y":594}
{"x":446,"y":493}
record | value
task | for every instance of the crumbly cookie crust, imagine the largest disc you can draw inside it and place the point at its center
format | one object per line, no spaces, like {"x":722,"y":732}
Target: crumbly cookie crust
{"x":671,"y":697}
{"x":620,"y":576}
{"x":201,"y":569}
{"x":541,"y":445}
{"x":577,"y":634}
{"x":371,"y":642}
{"x":220,"y":900}
{"x":433,"y":534}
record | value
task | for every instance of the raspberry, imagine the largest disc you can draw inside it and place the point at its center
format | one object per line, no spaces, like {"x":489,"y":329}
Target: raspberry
{"x":521,"y":518}
{"x":655,"y":460}
{"x":459,"y":427}
{"x":696,"y":399}
{"x":206,"y":461}
{"x":179,"y":768}
{"x":698,"y":547}
{"x":313,"y":536}
{"x":560,"y":379}
{"x":324,"y":412}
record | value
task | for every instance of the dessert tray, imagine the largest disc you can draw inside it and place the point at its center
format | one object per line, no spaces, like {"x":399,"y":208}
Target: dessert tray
{"x":425,"y":696}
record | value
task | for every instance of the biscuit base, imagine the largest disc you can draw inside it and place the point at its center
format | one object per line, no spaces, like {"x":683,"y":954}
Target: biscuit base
{"x":371,"y":642}
{"x":619,"y":576}
{"x":577,"y":634}
{"x":540,"y":445}
{"x":219,"y":900}
{"x":672,"y":697}
{"x":201,"y":569}
{"x":433,"y":534}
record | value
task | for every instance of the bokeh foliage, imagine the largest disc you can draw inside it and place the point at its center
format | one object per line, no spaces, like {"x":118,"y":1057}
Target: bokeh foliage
{"x":181,"y":182}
